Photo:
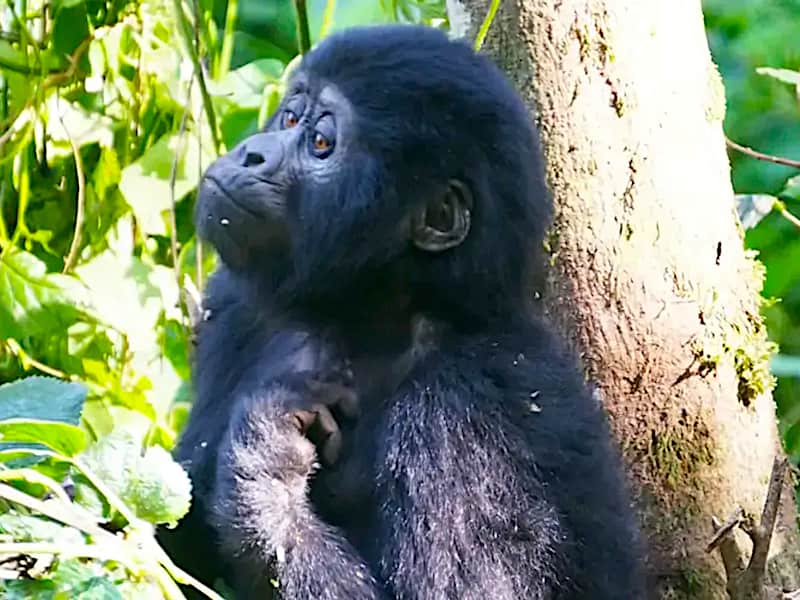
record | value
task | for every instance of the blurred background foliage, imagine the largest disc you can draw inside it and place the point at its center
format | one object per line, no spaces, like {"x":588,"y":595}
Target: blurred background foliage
{"x":756,"y":45}
{"x":109,"y":112}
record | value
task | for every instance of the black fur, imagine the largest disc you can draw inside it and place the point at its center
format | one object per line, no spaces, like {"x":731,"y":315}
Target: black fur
{"x":480,"y":466}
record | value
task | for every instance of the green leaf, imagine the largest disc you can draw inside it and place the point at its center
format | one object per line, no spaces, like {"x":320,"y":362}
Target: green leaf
{"x":34,"y":302}
{"x":42,"y":398}
{"x":42,"y":411}
{"x":70,"y":27}
{"x":784,"y":75}
{"x":28,"y":528}
{"x":791,"y":190}
{"x":244,"y":86}
{"x":152,"y":484}
{"x":74,"y":579}
{"x":161,"y":490}
{"x":146,"y":182}
{"x":751,"y":208}
{"x":66,"y":439}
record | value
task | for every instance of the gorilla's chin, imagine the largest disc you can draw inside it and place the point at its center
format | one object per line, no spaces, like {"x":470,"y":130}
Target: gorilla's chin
{"x":235,"y":232}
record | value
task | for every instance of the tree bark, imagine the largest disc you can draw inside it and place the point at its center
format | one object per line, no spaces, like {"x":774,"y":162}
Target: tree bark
{"x":649,"y":276}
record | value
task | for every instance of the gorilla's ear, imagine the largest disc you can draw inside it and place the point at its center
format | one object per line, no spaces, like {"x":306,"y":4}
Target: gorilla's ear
{"x":444,"y":222}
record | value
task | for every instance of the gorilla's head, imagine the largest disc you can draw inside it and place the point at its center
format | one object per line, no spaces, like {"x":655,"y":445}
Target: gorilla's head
{"x":397,"y":157}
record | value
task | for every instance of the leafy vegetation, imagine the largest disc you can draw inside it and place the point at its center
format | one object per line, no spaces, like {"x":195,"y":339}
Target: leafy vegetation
{"x":110,"y":110}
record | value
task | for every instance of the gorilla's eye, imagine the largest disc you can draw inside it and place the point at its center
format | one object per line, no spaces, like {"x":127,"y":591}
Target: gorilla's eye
{"x":289,"y":119}
{"x":324,"y":136}
{"x":322,"y":145}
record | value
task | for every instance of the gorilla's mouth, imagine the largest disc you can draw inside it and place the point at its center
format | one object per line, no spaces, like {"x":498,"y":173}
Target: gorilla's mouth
{"x":210,"y":185}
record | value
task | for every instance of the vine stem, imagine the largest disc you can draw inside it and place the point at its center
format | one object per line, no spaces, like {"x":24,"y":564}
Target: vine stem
{"x":188,"y":39}
{"x":778,"y":160}
{"x":487,"y":23}
{"x":75,"y":245}
{"x":303,"y":35}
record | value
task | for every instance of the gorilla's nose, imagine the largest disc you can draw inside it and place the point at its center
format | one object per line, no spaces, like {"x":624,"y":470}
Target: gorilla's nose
{"x":262,"y":153}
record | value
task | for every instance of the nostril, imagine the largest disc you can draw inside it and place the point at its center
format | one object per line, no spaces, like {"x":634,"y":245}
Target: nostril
{"x":253,"y":158}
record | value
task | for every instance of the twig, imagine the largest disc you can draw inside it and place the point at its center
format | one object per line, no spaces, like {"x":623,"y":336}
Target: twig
{"x":748,"y":583}
{"x":723,"y":529}
{"x":781,"y":208}
{"x":173,"y":177}
{"x":762,"y":533}
{"x":28,"y":361}
{"x":72,"y":255}
{"x":303,"y":34}
{"x":188,"y":39}
{"x":778,"y":160}
{"x":327,"y":18}
{"x":487,"y":23}
{"x":231,"y":13}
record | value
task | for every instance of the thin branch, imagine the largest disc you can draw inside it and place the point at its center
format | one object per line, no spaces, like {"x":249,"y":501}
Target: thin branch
{"x":762,"y":534}
{"x":732,"y":555}
{"x":173,"y":234}
{"x":749,"y":583}
{"x":487,"y":23}
{"x":231,"y":13}
{"x":54,"y":511}
{"x":74,"y":248}
{"x":778,"y":160}
{"x":28,"y":361}
{"x":303,"y":34}
{"x":723,"y":529}
{"x":781,"y":208}
{"x":327,"y":18}
{"x":188,"y":39}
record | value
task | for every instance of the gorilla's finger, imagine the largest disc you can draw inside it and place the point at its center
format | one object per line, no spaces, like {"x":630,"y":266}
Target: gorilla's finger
{"x":303,"y":419}
{"x":330,"y":437}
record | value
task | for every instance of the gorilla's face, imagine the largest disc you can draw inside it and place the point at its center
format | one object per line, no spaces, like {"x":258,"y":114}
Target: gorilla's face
{"x":245,"y":202}
{"x":284,"y":191}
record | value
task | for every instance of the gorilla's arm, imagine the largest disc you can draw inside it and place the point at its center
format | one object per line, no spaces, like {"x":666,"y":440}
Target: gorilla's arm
{"x":262,"y":512}
{"x":498,"y":482}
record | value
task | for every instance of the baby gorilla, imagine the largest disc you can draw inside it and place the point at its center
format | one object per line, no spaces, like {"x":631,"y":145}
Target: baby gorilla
{"x":379,"y":414}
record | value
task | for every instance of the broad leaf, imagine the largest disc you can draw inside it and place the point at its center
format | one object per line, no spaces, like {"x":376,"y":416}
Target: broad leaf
{"x":751,"y":208}
{"x":42,"y":398}
{"x":146,"y":184}
{"x":152,"y":484}
{"x":32,"y":301}
{"x":66,"y":439}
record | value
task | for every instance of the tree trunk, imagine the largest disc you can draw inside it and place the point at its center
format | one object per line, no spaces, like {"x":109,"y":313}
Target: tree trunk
{"x":649,"y":277}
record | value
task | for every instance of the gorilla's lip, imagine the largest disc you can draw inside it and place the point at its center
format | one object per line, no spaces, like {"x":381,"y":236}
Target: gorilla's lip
{"x":216,"y":183}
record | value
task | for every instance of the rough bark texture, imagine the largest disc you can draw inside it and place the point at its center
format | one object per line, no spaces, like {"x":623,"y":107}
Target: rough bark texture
{"x":649,"y":276}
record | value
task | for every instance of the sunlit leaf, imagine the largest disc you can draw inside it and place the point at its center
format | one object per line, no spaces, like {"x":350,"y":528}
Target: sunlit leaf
{"x":751,"y":208}
{"x":785,"y":75}
{"x":42,"y":398}
{"x":152,"y":484}
{"x":146,"y":183}
{"x":65,"y":439}
{"x":33,"y":301}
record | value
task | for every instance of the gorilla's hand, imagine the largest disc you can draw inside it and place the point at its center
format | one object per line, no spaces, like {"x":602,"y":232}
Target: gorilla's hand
{"x":323,"y":399}
{"x":267,"y":454}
